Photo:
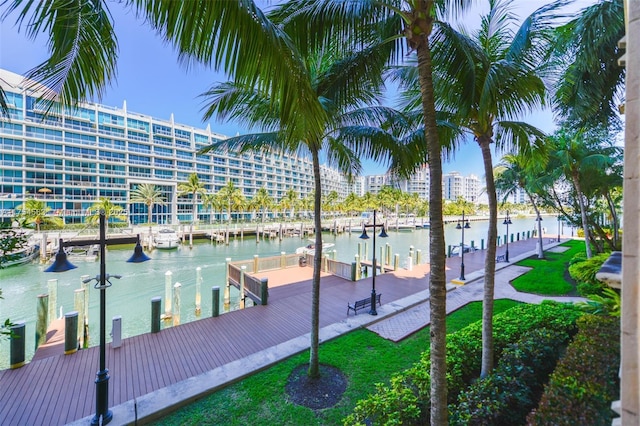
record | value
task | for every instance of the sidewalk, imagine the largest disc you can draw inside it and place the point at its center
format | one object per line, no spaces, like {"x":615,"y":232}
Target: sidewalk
{"x":395,"y":321}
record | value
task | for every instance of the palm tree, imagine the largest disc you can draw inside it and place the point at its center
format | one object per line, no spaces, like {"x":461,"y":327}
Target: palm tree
{"x":213,"y":202}
{"x":192,"y":187}
{"x":36,"y":212}
{"x":590,"y":84}
{"x":111,"y":211}
{"x":578,"y":156}
{"x":415,"y":20}
{"x":326,"y":120}
{"x":487,"y":82}
{"x":230,"y":197}
{"x":289,"y":201}
{"x":149,"y":195}
{"x":262,"y":201}
{"x":519,"y":172}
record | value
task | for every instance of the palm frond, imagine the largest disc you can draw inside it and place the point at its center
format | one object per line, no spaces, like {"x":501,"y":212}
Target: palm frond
{"x":82,"y":44}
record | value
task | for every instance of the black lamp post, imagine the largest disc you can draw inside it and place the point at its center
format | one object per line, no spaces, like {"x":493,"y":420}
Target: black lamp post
{"x":559,"y":228}
{"x":364,"y":236}
{"x":463,"y":224}
{"x":103,"y":414}
{"x":507,"y":221}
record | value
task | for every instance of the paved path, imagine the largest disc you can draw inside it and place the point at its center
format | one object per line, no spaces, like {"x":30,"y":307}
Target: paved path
{"x":153,"y":373}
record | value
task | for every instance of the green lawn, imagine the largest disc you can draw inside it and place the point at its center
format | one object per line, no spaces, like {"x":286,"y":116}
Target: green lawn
{"x":549,"y":276}
{"x":364,"y":357}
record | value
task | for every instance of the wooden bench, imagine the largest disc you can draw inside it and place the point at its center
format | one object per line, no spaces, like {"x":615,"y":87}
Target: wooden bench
{"x":361,"y":304}
{"x":501,"y":258}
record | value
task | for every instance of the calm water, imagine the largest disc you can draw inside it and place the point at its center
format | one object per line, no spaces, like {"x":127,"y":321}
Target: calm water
{"x":131,"y":296}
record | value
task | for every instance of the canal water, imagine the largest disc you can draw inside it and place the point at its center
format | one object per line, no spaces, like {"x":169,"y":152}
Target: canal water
{"x":130,"y":296}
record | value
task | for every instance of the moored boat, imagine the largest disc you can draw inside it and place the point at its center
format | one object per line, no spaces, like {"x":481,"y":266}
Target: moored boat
{"x":21,"y":255}
{"x":166,"y":239}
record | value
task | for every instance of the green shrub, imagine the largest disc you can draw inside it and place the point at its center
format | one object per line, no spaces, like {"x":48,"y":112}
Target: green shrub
{"x":509,"y":393}
{"x":584,"y":272}
{"x":585,"y":382}
{"x":391,"y":405}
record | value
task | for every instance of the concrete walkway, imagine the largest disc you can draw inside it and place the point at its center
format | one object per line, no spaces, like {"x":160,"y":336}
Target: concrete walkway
{"x":405,"y":323}
{"x":394,"y":321}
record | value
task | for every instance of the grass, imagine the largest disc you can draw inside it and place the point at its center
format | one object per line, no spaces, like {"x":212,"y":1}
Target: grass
{"x":549,"y":276}
{"x":363,"y":356}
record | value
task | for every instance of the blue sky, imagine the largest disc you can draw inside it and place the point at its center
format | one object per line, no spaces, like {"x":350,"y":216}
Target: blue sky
{"x":153,"y":83}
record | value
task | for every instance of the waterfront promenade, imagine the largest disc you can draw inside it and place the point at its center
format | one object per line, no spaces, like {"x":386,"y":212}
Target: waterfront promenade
{"x":151,"y":373}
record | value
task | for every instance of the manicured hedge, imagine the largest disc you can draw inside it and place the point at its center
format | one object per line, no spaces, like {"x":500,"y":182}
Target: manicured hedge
{"x":585,"y":382}
{"x":406,"y":399}
{"x":509,"y":393}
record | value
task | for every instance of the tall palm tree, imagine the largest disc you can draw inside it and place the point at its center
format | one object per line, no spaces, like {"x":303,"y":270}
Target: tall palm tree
{"x":192,"y":187}
{"x":327,"y":119}
{"x":111,"y":211}
{"x":289,"y":202}
{"x":149,"y":195}
{"x":231,"y":197}
{"x":414,"y":19}
{"x":36,"y":212}
{"x":577,"y":156}
{"x":262,"y":201}
{"x":487,"y":82}
{"x":518,"y":172}
{"x":213,"y":202}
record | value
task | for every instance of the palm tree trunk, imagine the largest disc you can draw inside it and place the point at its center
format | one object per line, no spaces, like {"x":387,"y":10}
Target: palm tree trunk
{"x":614,"y":219}
{"x":490,"y":260}
{"x":437,"y":276}
{"x":149,"y":208}
{"x":314,"y":360}
{"x":583,"y":213}
{"x":540,"y":242}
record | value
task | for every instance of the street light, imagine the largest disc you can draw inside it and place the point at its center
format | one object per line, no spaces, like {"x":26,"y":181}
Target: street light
{"x":559,"y":227}
{"x":103,"y":414}
{"x":364,"y":236}
{"x":462,"y":225}
{"x":507,"y":221}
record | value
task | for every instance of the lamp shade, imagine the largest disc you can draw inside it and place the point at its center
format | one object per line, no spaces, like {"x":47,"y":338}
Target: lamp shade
{"x":61,"y":263}
{"x":383,"y":233}
{"x":364,"y":235}
{"x":138,"y":255}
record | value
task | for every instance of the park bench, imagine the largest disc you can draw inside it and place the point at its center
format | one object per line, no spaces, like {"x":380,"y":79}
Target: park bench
{"x":501,"y":258}
{"x":362,"y":304}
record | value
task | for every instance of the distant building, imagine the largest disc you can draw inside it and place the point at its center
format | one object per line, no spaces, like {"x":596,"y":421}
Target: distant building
{"x":454,"y":186}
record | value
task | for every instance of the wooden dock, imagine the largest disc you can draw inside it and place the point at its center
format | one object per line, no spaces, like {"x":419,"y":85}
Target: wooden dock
{"x":58,"y":389}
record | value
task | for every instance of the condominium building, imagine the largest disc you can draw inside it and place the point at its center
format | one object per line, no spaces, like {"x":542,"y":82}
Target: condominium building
{"x":71,"y":157}
{"x":454,"y":186}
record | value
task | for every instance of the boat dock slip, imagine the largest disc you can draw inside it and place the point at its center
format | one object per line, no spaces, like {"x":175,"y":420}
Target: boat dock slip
{"x":153,"y":372}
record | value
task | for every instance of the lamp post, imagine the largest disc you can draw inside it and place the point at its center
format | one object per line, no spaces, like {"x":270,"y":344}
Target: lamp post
{"x":364,"y":236}
{"x":103,"y":414}
{"x":507,"y":221}
{"x":464,"y":224}
{"x":559,"y":228}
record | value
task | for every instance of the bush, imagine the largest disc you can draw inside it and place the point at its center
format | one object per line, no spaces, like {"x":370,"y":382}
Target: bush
{"x":585,"y":382}
{"x":509,"y":393}
{"x":584,"y":272}
{"x":393,"y":404}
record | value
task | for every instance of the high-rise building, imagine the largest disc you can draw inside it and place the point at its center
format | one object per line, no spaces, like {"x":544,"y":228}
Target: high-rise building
{"x":71,"y":157}
{"x":454,"y":186}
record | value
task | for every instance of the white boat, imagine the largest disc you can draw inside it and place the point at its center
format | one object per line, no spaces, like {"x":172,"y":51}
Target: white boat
{"x":311,"y":248}
{"x":21,"y":255}
{"x":455,"y":250}
{"x":166,"y":239}
{"x":83,"y":253}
